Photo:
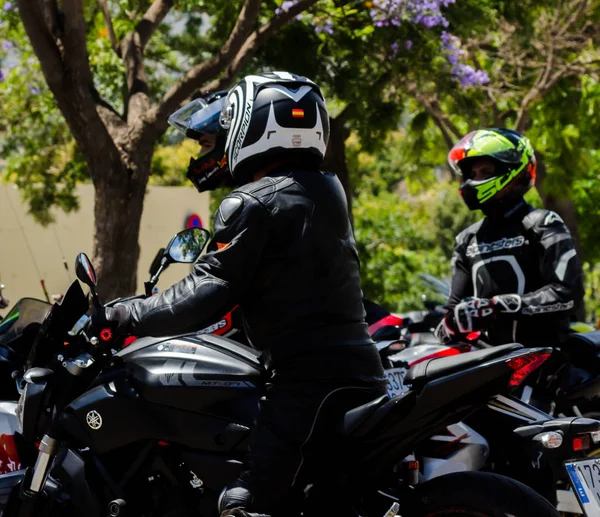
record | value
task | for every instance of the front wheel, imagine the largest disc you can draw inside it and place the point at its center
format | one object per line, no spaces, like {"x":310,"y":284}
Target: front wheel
{"x":477,"y":494}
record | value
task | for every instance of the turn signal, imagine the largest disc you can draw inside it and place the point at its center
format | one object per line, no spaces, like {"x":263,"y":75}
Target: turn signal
{"x":523,"y":365}
{"x":550,"y":440}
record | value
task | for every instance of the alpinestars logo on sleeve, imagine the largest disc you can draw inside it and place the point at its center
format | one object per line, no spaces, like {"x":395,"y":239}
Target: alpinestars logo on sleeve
{"x":544,"y":309}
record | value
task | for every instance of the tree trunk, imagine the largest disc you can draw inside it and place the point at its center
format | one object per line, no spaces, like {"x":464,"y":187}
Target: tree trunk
{"x":335,"y":157}
{"x":117,"y":215}
{"x":119,"y":201}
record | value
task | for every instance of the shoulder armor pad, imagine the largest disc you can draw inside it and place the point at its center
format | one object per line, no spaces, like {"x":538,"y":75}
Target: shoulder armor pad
{"x":541,"y":218}
{"x":552,"y":218}
{"x":230,"y":206}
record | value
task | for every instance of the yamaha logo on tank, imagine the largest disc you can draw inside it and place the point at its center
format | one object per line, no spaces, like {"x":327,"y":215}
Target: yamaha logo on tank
{"x":94,"y":420}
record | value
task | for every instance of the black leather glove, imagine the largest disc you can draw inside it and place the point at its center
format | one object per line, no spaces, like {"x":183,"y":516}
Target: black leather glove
{"x":473,"y":314}
{"x":108,"y":324}
{"x":470,"y":315}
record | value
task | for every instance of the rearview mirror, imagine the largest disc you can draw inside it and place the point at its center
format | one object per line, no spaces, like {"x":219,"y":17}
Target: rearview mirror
{"x":86,"y":274}
{"x":187,"y":245}
{"x":84,"y":270}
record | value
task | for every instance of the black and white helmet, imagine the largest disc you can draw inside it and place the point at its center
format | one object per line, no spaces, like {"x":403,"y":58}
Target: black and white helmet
{"x":272,"y":116}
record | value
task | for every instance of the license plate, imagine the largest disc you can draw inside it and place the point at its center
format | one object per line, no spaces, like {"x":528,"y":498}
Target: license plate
{"x":585,"y":478}
{"x":395,"y":377}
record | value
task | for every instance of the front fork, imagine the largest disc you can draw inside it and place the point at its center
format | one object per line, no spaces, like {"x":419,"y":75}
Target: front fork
{"x":48,"y":449}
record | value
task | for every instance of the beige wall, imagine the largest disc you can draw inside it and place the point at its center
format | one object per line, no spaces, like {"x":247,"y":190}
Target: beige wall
{"x":165,"y":211}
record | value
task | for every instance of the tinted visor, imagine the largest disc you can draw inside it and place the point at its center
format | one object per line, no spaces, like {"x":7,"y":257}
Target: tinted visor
{"x":198,"y":118}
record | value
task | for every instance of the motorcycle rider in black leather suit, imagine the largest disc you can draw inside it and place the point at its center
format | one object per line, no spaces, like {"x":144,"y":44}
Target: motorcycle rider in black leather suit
{"x":515,"y":273}
{"x":283,"y":249}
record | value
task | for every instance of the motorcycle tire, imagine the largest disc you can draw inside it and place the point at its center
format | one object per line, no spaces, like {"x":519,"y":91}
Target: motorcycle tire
{"x":477,"y":494}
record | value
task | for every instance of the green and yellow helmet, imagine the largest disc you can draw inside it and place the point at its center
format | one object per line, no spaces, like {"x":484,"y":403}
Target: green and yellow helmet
{"x":515,"y":166}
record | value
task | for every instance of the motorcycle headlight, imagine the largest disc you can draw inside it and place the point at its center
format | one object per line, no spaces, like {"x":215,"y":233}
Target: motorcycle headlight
{"x":30,"y":407}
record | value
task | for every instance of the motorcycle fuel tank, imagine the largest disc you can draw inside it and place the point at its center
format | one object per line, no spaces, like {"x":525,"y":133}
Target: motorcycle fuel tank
{"x":198,"y":391}
{"x":196,"y":373}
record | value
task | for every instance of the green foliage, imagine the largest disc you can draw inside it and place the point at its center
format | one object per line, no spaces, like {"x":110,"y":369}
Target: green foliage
{"x":41,"y":158}
{"x":393,"y":249}
{"x":592,"y":291}
{"x":406,"y":216}
{"x":170,"y":163}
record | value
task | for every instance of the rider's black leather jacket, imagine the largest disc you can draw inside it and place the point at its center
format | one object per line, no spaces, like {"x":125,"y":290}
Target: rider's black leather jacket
{"x":283,"y":250}
{"x":528,"y":252}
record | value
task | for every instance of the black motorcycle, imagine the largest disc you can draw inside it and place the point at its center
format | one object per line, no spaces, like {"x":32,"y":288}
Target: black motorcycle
{"x":162,"y":426}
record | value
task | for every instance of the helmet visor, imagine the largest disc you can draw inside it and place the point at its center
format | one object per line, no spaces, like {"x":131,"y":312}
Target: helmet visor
{"x":198,"y":118}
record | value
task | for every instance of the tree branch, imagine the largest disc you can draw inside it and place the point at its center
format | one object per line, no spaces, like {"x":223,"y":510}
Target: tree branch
{"x":132,"y":50}
{"x":75,"y":53}
{"x":576,"y":13}
{"x":43,"y":43}
{"x":109,"y":115}
{"x":240,"y":46}
{"x":439,"y":117}
{"x":51,"y":17}
{"x":435,"y":104}
{"x":204,"y":71}
{"x":258,"y":38}
{"x":109,"y":27}
{"x":137,"y":84}
{"x":152,"y":19}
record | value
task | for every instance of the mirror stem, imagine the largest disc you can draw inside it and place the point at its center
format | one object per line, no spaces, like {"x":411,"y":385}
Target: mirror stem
{"x":95,"y":299}
{"x":148,"y":286}
{"x":154,"y":279}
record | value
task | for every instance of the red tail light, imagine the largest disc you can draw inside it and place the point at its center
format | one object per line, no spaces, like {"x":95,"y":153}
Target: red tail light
{"x":581,"y":443}
{"x":523,"y":365}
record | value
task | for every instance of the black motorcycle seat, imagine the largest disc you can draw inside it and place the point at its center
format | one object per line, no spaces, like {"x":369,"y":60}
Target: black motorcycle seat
{"x":432,"y":369}
{"x":583,"y":349}
{"x":585,"y":340}
{"x":355,"y":417}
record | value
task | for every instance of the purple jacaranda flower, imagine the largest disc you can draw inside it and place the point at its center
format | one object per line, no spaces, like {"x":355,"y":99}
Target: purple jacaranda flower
{"x":34,"y":90}
{"x":395,"y":48}
{"x":1,"y":75}
{"x":326,"y":27}
{"x":468,"y":76}
{"x":453,"y":58}
{"x":284,"y":6}
{"x":8,"y":6}
{"x":408,"y":44}
{"x":7,"y":45}
{"x":385,"y":13}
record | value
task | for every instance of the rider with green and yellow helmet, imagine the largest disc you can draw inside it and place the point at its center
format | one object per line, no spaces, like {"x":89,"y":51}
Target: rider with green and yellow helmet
{"x":516,"y":274}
